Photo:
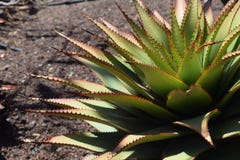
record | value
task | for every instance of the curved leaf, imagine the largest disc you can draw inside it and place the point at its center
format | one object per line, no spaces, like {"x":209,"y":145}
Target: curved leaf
{"x":225,"y":150}
{"x":142,"y":151}
{"x":160,"y":81}
{"x":132,"y":140}
{"x":134,"y":50}
{"x":159,"y":60}
{"x":90,"y":49}
{"x":210,"y":52}
{"x":229,"y":39}
{"x":225,"y":128}
{"x":130,"y":101}
{"x":97,"y":142}
{"x":229,"y":95}
{"x":191,"y":19}
{"x":151,"y":26}
{"x":134,"y":87}
{"x":176,"y":35}
{"x":200,"y":125}
{"x":192,"y":102}
{"x":222,"y":27}
{"x":100,"y":127}
{"x":210,"y":78}
{"x":190,"y":68}
{"x":77,"y":84}
{"x":185,"y":148}
{"x":121,"y":122}
{"x":125,"y":35}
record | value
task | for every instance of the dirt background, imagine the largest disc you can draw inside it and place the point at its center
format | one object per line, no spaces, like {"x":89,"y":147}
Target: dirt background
{"x":29,"y":26}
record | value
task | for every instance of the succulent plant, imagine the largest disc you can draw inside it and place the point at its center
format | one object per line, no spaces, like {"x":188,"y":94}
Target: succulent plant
{"x":169,"y":90}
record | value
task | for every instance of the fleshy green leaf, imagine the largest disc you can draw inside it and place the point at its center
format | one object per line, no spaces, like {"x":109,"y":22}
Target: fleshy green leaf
{"x":130,"y":101}
{"x":191,"y":18}
{"x":78,"y":84}
{"x":225,"y":150}
{"x":125,"y":35}
{"x":229,"y":94}
{"x":219,"y":30}
{"x":155,"y":30}
{"x":67,"y":103}
{"x":231,"y":107}
{"x":77,"y":103}
{"x":134,"y":87}
{"x":100,"y":127}
{"x":185,"y":148}
{"x":133,"y":140}
{"x":227,"y":42}
{"x":96,"y":105}
{"x":210,"y":77}
{"x":98,"y":142}
{"x":119,"y":62}
{"x":160,"y":54}
{"x":190,"y":68}
{"x":140,"y":33}
{"x":190,"y":103}
{"x":160,"y":81}
{"x":160,"y":19}
{"x":142,"y":151}
{"x":155,"y":135}
{"x":90,"y":49}
{"x":177,"y":37}
{"x":159,"y":60}
{"x":225,"y":128}
{"x":200,"y":125}
{"x":121,"y":122}
{"x":127,"y":45}
{"x":107,"y":78}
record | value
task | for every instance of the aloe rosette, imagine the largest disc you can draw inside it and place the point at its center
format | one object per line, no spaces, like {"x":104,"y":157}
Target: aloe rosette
{"x":169,"y":91}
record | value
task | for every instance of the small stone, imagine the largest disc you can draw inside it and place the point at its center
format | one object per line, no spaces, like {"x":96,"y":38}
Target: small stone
{"x":32,"y":124}
{"x":36,"y":134}
{"x":44,"y":124}
{"x":59,"y":149}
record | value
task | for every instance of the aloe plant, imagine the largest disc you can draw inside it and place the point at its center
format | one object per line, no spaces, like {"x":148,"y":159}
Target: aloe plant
{"x":169,"y":91}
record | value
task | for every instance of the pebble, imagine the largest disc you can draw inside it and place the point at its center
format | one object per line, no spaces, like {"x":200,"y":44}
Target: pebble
{"x":31,"y":124}
{"x":44,"y":124}
{"x":59,"y":149}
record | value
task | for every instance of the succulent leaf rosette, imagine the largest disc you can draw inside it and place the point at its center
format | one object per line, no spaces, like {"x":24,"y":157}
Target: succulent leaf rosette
{"x":169,"y":91}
